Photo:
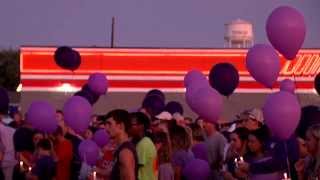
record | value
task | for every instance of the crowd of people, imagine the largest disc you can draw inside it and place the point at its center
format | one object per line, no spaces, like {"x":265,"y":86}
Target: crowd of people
{"x":148,"y":148}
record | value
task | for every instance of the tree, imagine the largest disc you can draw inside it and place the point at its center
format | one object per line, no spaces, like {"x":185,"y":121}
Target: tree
{"x":9,"y":69}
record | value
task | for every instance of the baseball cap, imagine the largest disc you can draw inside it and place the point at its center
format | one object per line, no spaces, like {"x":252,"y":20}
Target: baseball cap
{"x":164,"y":116}
{"x":256,"y":114}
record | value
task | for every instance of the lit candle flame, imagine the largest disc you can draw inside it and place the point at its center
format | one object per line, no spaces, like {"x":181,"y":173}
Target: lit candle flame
{"x":94,"y":175}
{"x":21,"y":164}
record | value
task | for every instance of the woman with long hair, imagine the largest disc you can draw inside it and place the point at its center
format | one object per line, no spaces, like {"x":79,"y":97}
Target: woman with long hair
{"x":237,"y":149}
{"x":309,"y":168}
{"x":162,"y":143}
{"x":181,"y":149}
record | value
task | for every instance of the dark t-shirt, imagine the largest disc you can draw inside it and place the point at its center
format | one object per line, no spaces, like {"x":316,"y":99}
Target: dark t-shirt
{"x":45,"y":168}
{"x":76,"y":161}
{"x":22,"y":139}
{"x":115,"y":173}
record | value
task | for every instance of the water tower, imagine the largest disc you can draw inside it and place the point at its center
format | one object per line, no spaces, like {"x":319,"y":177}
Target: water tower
{"x":238,"y":34}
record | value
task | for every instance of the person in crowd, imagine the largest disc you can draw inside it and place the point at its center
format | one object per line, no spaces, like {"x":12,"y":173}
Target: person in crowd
{"x":236,"y":150}
{"x":276,"y":147}
{"x":215,"y":143}
{"x":104,"y":165}
{"x":162,"y":143}
{"x":188,"y":120}
{"x":199,"y":121}
{"x":199,"y":148}
{"x":88,"y":134}
{"x":309,"y":168}
{"x":257,"y":152}
{"x":125,"y":157}
{"x":160,"y":122}
{"x":37,"y":136}
{"x":17,"y":120}
{"x":146,"y":151}
{"x":181,"y":149}
{"x":63,"y":155}
{"x":254,"y":119}
{"x":45,"y":166}
{"x":6,"y":135}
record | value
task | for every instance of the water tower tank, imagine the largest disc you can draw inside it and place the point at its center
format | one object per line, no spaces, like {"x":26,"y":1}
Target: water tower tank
{"x":238,"y":34}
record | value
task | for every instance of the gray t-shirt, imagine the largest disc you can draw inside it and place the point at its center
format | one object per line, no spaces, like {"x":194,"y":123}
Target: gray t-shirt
{"x":215,"y":146}
{"x":166,"y":172}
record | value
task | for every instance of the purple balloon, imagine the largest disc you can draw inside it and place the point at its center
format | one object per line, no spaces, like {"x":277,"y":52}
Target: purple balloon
{"x":200,"y":151}
{"x":77,"y":113}
{"x":196,"y":169}
{"x":263,"y":64}
{"x":287,"y":85}
{"x":206,"y":102}
{"x":282,"y":112}
{"x":98,"y":83}
{"x":101,"y":137}
{"x":286,"y":31}
{"x":42,"y":116}
{"x":4,"y":101}
{"x":89,"y":152}
{"x":195,"y":79}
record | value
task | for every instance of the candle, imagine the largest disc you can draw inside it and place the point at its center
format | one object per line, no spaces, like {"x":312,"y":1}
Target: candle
{"x":21,"y":164}
{"x":94,"y":175}
{"x":30,"y":168}
{"x":236,"y":162}
{"x":241,"y":159}
{"x":285,"y":176}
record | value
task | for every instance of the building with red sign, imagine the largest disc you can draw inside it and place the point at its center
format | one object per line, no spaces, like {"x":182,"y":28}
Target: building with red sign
{"x":132,"y":72}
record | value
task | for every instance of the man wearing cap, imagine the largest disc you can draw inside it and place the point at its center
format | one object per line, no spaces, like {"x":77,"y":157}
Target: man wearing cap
{"x":253,"y":119}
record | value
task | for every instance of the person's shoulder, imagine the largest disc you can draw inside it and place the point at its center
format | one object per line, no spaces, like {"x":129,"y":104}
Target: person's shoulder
{"x":125,"y":154}
{"x":145,"y":141}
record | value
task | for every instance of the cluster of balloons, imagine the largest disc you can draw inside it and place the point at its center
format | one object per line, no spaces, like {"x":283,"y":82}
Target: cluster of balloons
{"x":286,"y":31}
{"x":201,"y":98}
{"x":67,"y":58}
{"x":155,"y":102}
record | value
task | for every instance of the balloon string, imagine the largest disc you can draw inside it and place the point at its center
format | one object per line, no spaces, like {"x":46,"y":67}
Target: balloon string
{"x":295,"y":83}
{"x":287,"y":158}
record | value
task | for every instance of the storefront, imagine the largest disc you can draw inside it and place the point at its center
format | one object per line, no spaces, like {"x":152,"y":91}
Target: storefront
{"x":132,"y":72}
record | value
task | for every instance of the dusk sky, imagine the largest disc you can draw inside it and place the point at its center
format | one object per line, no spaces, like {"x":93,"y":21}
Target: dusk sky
{"x":140,"y":23}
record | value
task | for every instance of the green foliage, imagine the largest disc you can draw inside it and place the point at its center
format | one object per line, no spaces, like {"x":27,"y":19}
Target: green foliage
{"x":9,"y":69}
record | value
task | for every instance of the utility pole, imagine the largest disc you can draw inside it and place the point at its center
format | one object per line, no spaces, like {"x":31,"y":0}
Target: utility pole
{"x":112,"y":32}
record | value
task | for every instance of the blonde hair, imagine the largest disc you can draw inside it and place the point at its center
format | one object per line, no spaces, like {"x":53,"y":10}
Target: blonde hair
{"x":315,"y":132}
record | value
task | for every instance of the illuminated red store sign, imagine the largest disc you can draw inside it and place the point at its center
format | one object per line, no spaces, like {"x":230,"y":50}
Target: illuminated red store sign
{"x":138,"y":70}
